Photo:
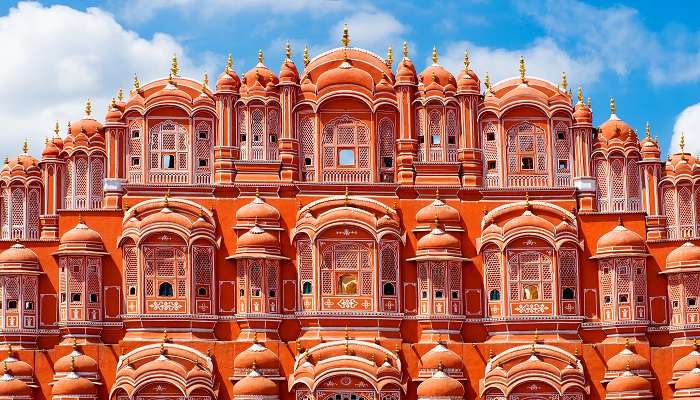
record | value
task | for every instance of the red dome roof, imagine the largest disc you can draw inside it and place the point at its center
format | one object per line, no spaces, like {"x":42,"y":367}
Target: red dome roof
{"x":687,"y":362}
{"x":345,"y":74}
{"x":258,"y":210}
{"x":528,"y":220}
{"x":11,"y":387}
{"x":440,"y":386}
{"x":18,"y":368}
{"x":621,"y":241}
{"x":72,"y":385}
{"x":256,"y":356}
{"x":77,"y":362}
{"x":18,"y":257}
{"x":170,"y":93}
{"x":582,"y":113}
{"x":436,"y":73}
{"x":260,"y":74}
{"x":52,"y":149}
{"x":81,"y":233}
{"x":406,"y":72}
{"x":615,"y":128}
{"x":255,"y":385}
{"x":22,"y":166}
{"x":628,"y":382}
{"x":289,"y":72}
{"x":438,"y":209}
{"x":689,"y":381}
{"x":437,"y":241}
{"x":628,"y":359}
{"x":468,"y":81}
{"x":684,"y":256}
{"x":258,"y":241}
{"x":441,"y":356}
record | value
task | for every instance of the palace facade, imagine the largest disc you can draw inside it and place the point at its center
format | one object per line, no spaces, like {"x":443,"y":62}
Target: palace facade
{"x":350,"y":230}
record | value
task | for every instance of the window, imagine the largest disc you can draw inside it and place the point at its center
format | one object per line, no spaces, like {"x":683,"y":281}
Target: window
{"x":202,"y":291}
{"x":255,"y":292}
{"x":675,"y":304}
{"x":271,"y":293}
{"x":490,"y":136}
{"x":306,"y":288}
{"x":563,"y":165}
{"x":692,"y":301}
{"x":307,"y":161}
{"x":451,"y":140}
{"x":388,"y":162}
{"x":455,"y":294}
{"x":93,"y":297}
{"x":346,"y":157}
{"x":168,"y":161}
{"x":28,"y":305}
{"x":421,"y":139}
{"x":347,"y":284}
{"x":623,"y":298}
{"x":424,"y":295}
{"x":241,"y":292}
{"x":439,"y":294}
{"x":135,"y":134}
{"x":203,"y":135}
{"x":491,"y":165}
{"x":203,"y":162}
{"x":607,"y":300}
{"x":640,"y":299}
{"x":568,"y":294}
{"x":388,"y":289}
{"x":435,"y":140}
{"x":273,"y":139}
{"x":561,"y":135}
{"x":241,"y":138}
{"x":531,"y":292}
{"x":494,"y":295}
{"x":11,"y":304}
{"x":165,"y":290}
{"x":132,"y":290}
{"x":76,"y":297}
{"x":526,"y":163}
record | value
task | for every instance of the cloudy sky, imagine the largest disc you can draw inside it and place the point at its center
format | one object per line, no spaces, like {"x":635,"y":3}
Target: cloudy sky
{"x":58,"y":54}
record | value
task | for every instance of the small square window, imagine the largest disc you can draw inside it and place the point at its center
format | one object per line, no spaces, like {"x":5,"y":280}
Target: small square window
{"x":135,"y":134}
{"x":242,"y":138}
{"x":527,"y":163}
{"x":92,"y":268}
{"x":435,"y":140}
{"x":455,"y":294}
{"x":202,"y":292}
{"x":273,"y":138}
{"x":622,"y":299}
{"x":606,"y":270}
{"x":346,"y":157}
{"x":451,"y":140}
{"x":203,"y":162}
{"x":640,"y":299}
{"x":692,"y":301}
{"x":421,"y":139}
{"x":271,"y":293}
{"x":307,"y":161}
{"x":256,"y":138}
{"x":11,"y":304}
{"x":561,"y":135}
{"x":168,"y":161}
{"x":28,"y":305}
{"x":135,"y":161}
{"x":203,"y":134}
{"x":255,"y":292}
{"x":490,"y":136}
{"x":76,"y":297}
{"x":241,"y":293}
{"x":563,"y":165}
{"x":93,"y":297}
{"x":491,"y":165}
{"x":439,"y":294}
{"x":132,"y":290}
{"x":675,"y":304}
{"x":63,"y":297}
{"x":388,"y":162}
{"x":607,"y":300}
{"x":424,"y":295}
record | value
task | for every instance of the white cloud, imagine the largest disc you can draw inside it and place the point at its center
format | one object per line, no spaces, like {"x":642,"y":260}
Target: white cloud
{"x":56,"y":57}
{"x":370,"y":29}
{"x":544,"y":59}
{"x":688,"y":123}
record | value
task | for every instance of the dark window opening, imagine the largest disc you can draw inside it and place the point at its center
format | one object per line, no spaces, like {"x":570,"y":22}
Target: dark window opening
{"x":202,"y":292}
{"x":273,"y":138}
{"x":491,"y":165}
{"x":93,"y":297}
{"x":242,"y":138}
{"x":692,"y":301}
{"x":424,"y":295}
{"x":135,"y":161}
{"x":561,"y":135}
{"x":568,"y":294}
{"x":63,"y":297}
{"x":135,"y":134}
{"x":451,"y":140}
{"x":132,"y":291}
{"x":623,"y":298}
{"x":563,"y":164}
{"x":388,"y":289}
{"x":640,"y":299}
{"x":607,"y":300}
{"x":272,"y":293}
{"x":307,"y":161}
{"x":455,"y":294}
{"x":255,"y":292}
{"x":28,"y":305}
{"x":11,"y":304}
{"x":168,"y":161}
{"x":438,"y":294}
{"x":203,"y":162}
{"x":306,"y":288}
{"x":165,"y":290}
{"x":388,"y":162}
{"x":241,"y":292}
{"x":203,"y":134}
{"x":76,"y":297}
{"x":421,"y":139}
{"x":435,"y":140}
{"x":527,"y":163}
{"x":490,"y":136}
{"x":494,"y":295}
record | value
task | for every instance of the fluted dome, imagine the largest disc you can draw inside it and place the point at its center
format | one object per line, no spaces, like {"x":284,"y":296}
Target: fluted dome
{"x":73,"y":385}
{"x":687,"y":362}
{"x":689,"y":381}
{"x":437,"y":240}
{"x":628,"y":359}
{"x":11,"y":387}
{"x":51,"y":149}
{"x":440,"y":385}
{"x":345,"y":74}
{"x":228,"y":80}
{"x":289,"y":72}
{"x":170,"y":93}
{"x":22,"y":166}
{"x":258,"y":241}
{"x":77,"y":362}
{"x":582,"y":114}
{"x":255,"y":385}
{"x":256,"y":356}
{"x":525,"y":92}
{"x":528,"y":220}
{"x":81,"y":233}
{"x":684,"y":256}
{"x":258,"y":210}
{"x":621,"y":241}
{"x":406,"y":72}
{"x":441,"y":356}
{"x":437,"y":209}
{"x":260,"y":74}
{"x":438,"y":74}
{"x":467,"y":80}
{"x":628,"y":382}
{"x":19,"y":258}
{"x":615,"y":128}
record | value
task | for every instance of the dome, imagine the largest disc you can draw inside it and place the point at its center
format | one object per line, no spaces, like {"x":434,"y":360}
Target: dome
{"x":166,"y":216}
{"x":436,"y":73}
{"x":197,"y":372}
{"x":345,"y":74}
{"x":528,"y":220}
{"x":384,"y":85}
{"x":621,"y":241}
{"x":534,"y":364}
{"x":11,"y":387}
{"x":525,"y":92}
{"x":18,"y":368}
{"x":169,"y":93}
{"x":260,"y":74}
{"x":228,"y":80}
{"x":257,"y":357}
{"x":258,"y":210}
{"x":160,"y":364}
{"x":76,"y":362}
{"x":628,"y":359}
{"x":81,"y":233}
{"x":681,"y":163}
{"x":204,"y":100}
{"x":406,"y":72}
{"x":441,"y":355}
{"x":51,"y":149}
{"x":686,"y":255}
{"x":467,"y":80}
{"x":114,"y":114}
{"x":288,"y":71}
{"x":255,"y":385}
{"x":258,"y":240}
{"x":437,"y":209}
{"x":582,"y":114}
{"x":440,"y":385}
{"x":689,"y":381}
{"x":18,"y":257}
{"x":628,"y":382}
{"x":23,"y":165}
{"x":73,"y":385}
{"x":615,"y":128}
{"x":688,"y":362}
{"x":437,"y":240}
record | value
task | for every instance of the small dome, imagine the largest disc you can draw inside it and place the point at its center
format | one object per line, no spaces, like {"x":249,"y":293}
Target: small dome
{"x":406,"y":72}
{"x":440,"y":385}
{"x":619,"y":241}
{"x":689,"y":381}
{"x":136,"y":99}
{"x":255,"y":385}
{"x":437,"y":209}
{"x":582,"y":114}
{"x":534,"y":364}
{"x":441,"y":356}
{"x":204,"y":100}
{"x":688,"y":362}
{"x":289,"y":72}
{"x":528,"y":220}
{"x":345,"y":74}
{"x":77,"y":362}
{"x":257,"y":357}
{"x":467,"y":80}
{"x":615,"y":128}
{"x":258,"y":210}
{"x":680,"y":164}
{"x":17,"y":367}
{"x":197,"y":372}
{"x":81,"y":233}
{"x":166,"y":216}
{"x":686,"y":255}
{"x":114,"y":114}
{"x":628,"y":359}
{"x":22,"y":166}
{"x":258,"y":239}
{"x":628,"y":382}
{"x":73,"y":385}
{"x":51,"y":149}
{"x":228,"y":80}
{"x":384,"y":85}
{"x":19,"y":257}
{"x":260,"y":74}
{"x":11,"y":387}
{"x":438,"y":74}
{"x":162,"y":363}
{"x":437,"y":241}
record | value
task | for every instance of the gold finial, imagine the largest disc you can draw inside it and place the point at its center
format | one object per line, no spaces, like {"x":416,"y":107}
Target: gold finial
{"x":627,"y":343}
{"x":162,"y":348}
{"x":389,"y":57}
{"x":4,"y":367}
{"x":307,"y":60}
{"x":695,"y":344}
{"x":588,"y":103}
{"x":620,"y":223}
{"x":255,"y":337}
{"x":564,"y":83}
{"x":533,"y":350}
{"x":466,"y":61}
{"x":537,"y":335}
{"x":612,"y":105}
{"x":120,"y":94}
{"x":88,"y":107}
{"x":527,"y":205}
{"x":137,"y":85}
{"x":56,"y":129}
{"x":254,"y":367}
{"x":288,"y":50}
{"x":174,"y":69}
{"x":435,"y":57}
{"x":521,"y":69}
{"x":440,"y":367}
{"x":205,"y":81}
{"x":260,"y":56}
{"x":347,"y":348}
{"x":9,"y":350}
{"x":647,"y":130}
{"x":347,"y":196}
{"x":491,"y":354}
{"x":165,"y":332}
{"x":114,"y":103}
{"x":347,"y":335}
{"x":682,"y":143}
{"x":72,"y":363}
{"x":74,"y":346}
{"x":25,"y":147}
{"x":487,"y":82}
{"x":46,"y":140}
{"x":229,"y":63}
{"x":405,"y":49}
{"x":576,"y":353}
{"x":345,"y":40}
{"x":579,"y":95}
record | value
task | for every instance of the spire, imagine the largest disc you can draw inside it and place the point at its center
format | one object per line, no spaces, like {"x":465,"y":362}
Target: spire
{"x":466,"y":61}
{"x":72,"y":363}
{"x":120,"y":94}
{"x":521,"y":69}
{"x":487,"y":83}
{"x":137,"y":85}
{"x":260,"y":56}
{"x":174,"y":69}
{"x":205,"y":81}
{"x":647,"y":131}
{"x":564,"y":82}
{"x":588,"y":103}
{"x":113,"y":105}
{"x":435,"y":56}
{"x":288,"y":50}
{"x":9,"y":351}
{"x":306,"y":56}
{"x":229,"y":64}
{"x":389,"y":57}
{"x":56,"y":129}
{"x":345,"y":40}
{"x":88,"y":108}
{"x":579,"y":95}
{"x":405,"y":50}
{"x":347,"y":196}
{"x":25,"y":146}
{"x":682,"y":144}
{"x":612,"y":105}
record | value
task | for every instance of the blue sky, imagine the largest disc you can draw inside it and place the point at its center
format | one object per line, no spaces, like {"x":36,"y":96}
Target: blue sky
{"x":645,"y":53}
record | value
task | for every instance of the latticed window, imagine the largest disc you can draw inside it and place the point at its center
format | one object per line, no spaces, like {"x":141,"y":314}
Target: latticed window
{"x":203,"y":154}
{"x":623,"y":293}
{"x":389,"y":275}
{"x":345,"y":151}
{"x":258,"y":131}
{"x":619,"y":183}
{"x":168,"y":153}
{"x":387,"y":144}
{"x":307,"y":143}
{"x":564,"y":157}
{"x":84,"y":181}
{"x":680,"y":205}
{"x":439,"y":284}
{"x":165,"y":273}
{"x":135,"y":150}
{"x":489,"y":141}
{"x":18,"y":297}
{"x":306,"y":272}
{"x":420,"y":133}
{"x":530,"y":275}
{"x":494,"y":281}
{"x":346,"y":268}
{"x":452,"y":133}
{"x":21,"y":207}
{"x":526,"y":156}
{"x":568,"y":280}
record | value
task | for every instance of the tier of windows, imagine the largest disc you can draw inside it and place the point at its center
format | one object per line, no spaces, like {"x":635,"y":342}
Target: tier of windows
{"x":681,"y":206}
{"x":80,"y":285}
{"x":619,"y":182}
{"x":18,"y":300}
{"x":83,"y":181}
{"x":623,"y":292}
{"x":20,"y":207}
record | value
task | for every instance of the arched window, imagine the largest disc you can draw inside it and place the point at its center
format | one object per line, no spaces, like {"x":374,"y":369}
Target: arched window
{"x":306,"y":288}
{"x":347,"y":284}
{"x":165,"y":290}
{"x":307,"y":142}
{"x":494,"y":295}
{"x":526,"y":156}
{"x":568,"y":294}
{"x":345,"y":151}
{"x":387,"y":143}
{"x":169,"y":148}
{"x":389,"y":289}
